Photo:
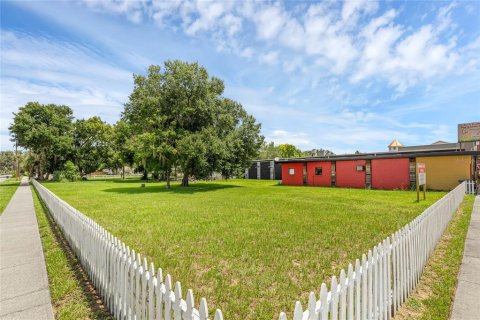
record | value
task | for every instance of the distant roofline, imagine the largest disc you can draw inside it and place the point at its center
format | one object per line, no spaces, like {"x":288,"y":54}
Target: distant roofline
{"x":381,"y":155}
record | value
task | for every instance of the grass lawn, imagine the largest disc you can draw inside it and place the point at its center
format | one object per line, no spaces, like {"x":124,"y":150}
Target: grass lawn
{"x":252,"y":248}
{"x":7,"y":189}
{"x":72,"y":296}
{"x":433,"y":296}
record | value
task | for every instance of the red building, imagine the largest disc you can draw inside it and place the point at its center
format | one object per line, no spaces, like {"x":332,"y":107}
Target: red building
{"x":351,"y":173}
{"x":319,"y":173}
{"x":391,"y":173}
{"x":384,"y":170}
{"x":292,"y":174}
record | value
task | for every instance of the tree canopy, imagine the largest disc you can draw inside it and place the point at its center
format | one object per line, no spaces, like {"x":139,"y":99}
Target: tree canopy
{"x":179,"y":117}
{"x":270,"y":151}
{"x":45,"y":130}
{"x":92,"y":144}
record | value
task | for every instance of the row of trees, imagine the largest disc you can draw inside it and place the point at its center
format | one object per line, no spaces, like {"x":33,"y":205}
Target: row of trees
{"x":51,"y":137}
{"x":271,"y":151}
{"x":8,"y":161}
{"x":176,"y":117}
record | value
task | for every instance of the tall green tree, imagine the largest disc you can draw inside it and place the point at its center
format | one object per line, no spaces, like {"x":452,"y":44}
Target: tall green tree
{"x":123,"y":150}
{"x":180,"y":118}
{"x":92,"y":144}
{"x":45,"y":130}
{"x":317,"y":153}
{"x":8,"y":161}
{"x":289,"y":151}
{"x":268,"y":150}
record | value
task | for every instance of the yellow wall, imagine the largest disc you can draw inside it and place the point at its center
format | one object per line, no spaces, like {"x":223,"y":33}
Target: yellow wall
{"x":444,"y":172}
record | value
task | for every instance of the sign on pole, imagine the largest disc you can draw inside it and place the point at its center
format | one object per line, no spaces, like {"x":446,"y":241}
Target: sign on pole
{"x":469,"y":132}
{"x":421,"y":179}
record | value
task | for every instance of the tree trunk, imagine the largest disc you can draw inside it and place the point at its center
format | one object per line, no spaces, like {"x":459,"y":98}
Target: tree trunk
{"x":40,"y":171}
{"x":185,"y":179}
{"x":123,"y":172}
{"x":145,"y":174}
{"x":167,"y":178}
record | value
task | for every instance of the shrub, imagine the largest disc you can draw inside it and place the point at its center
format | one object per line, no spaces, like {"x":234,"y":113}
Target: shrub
{"x":70,"y":171}
{"x":58,"y":176}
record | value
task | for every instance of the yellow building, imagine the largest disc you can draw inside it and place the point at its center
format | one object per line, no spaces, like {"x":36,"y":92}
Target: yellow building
{"x":445,"y":172}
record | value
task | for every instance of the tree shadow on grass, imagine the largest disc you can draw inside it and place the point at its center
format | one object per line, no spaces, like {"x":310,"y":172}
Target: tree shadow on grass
{"x":177,"y":189}
{"x":95,"y":303}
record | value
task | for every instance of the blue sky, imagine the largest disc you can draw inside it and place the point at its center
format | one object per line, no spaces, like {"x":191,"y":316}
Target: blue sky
{"x":344,"y":76}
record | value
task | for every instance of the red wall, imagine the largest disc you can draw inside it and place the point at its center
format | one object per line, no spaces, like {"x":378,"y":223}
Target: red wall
{"x":323,"y":180}
{"x":391,"y":173}
{"x":297,"y":178}
{"x":347,"y":174}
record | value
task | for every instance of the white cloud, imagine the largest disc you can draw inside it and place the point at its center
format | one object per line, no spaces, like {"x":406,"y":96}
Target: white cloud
{"x":47,"y":71}
{"x":352,"y":8}
{"x":132,"y":10}
{"x":444,"y":17}
{"x":208,"y":13}
{"x":269,"y":21}
{"x":270,"y":57}
{"x":353,"y":39}
{"x":403,"y":59}
{"x":299,"y":139}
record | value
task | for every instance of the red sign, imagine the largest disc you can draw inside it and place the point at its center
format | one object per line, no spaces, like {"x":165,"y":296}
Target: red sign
{"x":422,"y":174}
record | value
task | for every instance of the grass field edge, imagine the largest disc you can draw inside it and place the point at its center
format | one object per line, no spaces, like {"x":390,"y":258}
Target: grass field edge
{"x":6,"y":197}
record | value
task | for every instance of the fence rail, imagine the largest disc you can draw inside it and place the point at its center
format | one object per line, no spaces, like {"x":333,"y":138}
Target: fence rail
{"x":378,"y":284}
{"x":128,"y":285}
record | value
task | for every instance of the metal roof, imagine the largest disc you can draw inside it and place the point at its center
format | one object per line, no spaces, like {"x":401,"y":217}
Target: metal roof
{"x":383,"y":155}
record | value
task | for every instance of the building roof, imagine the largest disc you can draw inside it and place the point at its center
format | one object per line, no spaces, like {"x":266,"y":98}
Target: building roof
{"x":395,"y":143}
{"x":385,"y":155}
{"x":440,"y":142}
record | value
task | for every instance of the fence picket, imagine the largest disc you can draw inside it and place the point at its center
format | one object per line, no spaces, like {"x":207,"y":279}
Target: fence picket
{"x":351,"y":285}
{"x":357,"y":289}
{"x":343,"y":296}
{"x":334,"y":299}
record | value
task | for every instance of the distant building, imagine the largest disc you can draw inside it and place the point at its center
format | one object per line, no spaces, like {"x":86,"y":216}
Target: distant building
{"x":446,"y":165}
{"x":395,"y":145}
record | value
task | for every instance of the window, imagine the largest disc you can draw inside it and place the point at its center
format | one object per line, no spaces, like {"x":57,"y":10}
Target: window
{"x":360,"y":168}
{"x":291,"y":171}
{"x":318,"y":171}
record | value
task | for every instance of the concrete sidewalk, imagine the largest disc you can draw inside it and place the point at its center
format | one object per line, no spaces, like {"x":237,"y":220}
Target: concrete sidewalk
{"x":24,"y":292}
{"x":466,"y":305}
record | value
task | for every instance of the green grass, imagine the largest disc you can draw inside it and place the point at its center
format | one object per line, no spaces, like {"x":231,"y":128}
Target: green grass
{"x":434,"y":294}
{"x":71,"y":294}
{"x":252,"y":248}
{"x":7,"y":189}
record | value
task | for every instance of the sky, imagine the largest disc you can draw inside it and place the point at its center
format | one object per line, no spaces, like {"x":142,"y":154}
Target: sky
{"x":343,"y":76}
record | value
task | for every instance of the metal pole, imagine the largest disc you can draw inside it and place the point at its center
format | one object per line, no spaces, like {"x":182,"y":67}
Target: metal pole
{"x":17,"y":169}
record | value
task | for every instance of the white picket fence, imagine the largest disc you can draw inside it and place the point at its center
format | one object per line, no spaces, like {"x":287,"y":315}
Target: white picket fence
{"x":379,"y":284}
{"x":471,"y":187}
{"x":129,"y":287}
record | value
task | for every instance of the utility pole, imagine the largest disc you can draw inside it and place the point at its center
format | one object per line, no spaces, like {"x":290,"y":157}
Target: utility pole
{"x":17,"y":169}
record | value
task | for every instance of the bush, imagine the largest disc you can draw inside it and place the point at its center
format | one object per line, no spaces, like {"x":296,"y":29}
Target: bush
{"x":70,"y":172}
{"x":58,"y":176}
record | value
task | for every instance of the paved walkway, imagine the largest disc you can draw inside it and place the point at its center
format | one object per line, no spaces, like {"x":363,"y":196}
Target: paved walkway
{"x":466,"y":305}
{"x":24,"y":292}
